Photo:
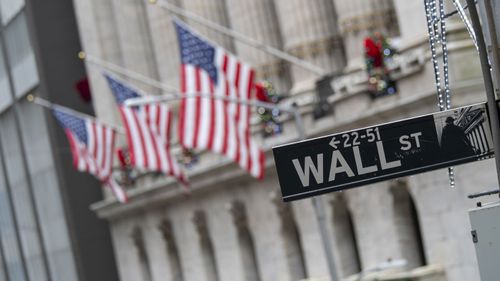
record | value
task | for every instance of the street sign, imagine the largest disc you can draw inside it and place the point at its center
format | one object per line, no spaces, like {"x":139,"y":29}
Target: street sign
{"x":363,"y":156}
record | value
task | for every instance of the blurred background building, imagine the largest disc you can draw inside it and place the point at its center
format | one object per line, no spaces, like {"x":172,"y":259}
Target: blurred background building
{"x":47,"y":231}
{"x":234,"y":227}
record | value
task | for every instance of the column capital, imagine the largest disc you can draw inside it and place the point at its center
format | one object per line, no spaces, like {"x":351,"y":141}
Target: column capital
{"x":373,"y":20}
{"x":238,"y":212}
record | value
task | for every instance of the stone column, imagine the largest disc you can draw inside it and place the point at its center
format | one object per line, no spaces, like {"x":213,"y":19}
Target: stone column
{"x":412,"y":21}
{"x":245,"y":241}
{"x":142,"y":254}
{"x":258,"y":20}
{"x":206,"y":246}
{"x":215,"y":11}
{"x":375,"y":224}
{"x":174,"y":261}
{"x":107,"y":32}
{"x":292,"y":241}
{"x":309,"y":31}
{"x":135,"y":40}
{"x":165,"y":44}
{"x":99,"y":38}
{"x":359,"y":19}
{"x":98,"y":35}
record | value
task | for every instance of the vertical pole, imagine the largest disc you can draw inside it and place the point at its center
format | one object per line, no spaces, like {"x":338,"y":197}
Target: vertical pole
{"x":488,"y":83}
{"x":319,"y":211}
{"x":299,"y":124}
{"x":495,"y":60}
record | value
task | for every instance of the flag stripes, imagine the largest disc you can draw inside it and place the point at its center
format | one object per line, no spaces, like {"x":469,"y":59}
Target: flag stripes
{"x":148,"y":131}
{"x":96,"y":157}
{"x":92,"y":147}
{"x":213,"y":123}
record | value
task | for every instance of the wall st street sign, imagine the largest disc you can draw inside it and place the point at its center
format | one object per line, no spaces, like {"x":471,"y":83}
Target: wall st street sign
{"x":406,"y":147}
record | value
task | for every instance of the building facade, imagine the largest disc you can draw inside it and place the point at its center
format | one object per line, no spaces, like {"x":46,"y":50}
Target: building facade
{"x":47,"y":231}
{"x":234,"y":227}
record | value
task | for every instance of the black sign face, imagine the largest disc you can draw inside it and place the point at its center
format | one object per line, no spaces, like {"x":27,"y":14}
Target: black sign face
{"x":369,"y":155}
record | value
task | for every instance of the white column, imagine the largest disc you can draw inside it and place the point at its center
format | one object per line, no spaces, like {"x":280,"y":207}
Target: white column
{"x":165,"y":44}
{"x":98,"y":36}
{"x":213,"y":10}
{"x":107,"y":33}
{"x":309,"y":31}
{"x":375,"y":224}
{"x":135,"y":39}
{"x":258,"y":20}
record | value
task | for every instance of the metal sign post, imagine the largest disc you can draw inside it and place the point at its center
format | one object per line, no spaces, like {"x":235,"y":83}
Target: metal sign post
{"x":378,"y":153}
{"x":319,"y":211}
{"x":488,"y":83}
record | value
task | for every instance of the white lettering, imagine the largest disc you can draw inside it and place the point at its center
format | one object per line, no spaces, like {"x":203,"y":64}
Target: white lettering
{"x":359,"y":164}
{"x":383,"y":161}
{"x":406,"y":145}
{"x":309,"y":166}
{"x":343,"y":168}
{"x":415,"y":136}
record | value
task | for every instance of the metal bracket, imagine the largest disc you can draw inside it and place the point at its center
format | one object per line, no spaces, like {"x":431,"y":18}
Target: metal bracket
{"x":474,"y":236}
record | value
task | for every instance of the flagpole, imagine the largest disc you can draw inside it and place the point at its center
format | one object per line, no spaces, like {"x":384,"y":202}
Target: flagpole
{"x":126,"y":72}
{"x":47,"y":104}
{"x":241,"y":37}
{"x":176,"y":96}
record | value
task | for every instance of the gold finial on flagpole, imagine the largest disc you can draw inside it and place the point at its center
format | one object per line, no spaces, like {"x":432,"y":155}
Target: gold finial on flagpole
{"x":82,"y":55}
{"x":30,"y":98}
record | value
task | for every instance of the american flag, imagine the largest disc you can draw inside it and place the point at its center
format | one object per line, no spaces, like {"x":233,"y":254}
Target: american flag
{"x":148,"y":130}
{"x":210,"y":123}
{"x":92,"y":146}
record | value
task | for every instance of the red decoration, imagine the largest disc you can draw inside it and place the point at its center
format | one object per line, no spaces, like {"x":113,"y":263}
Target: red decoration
{"x":374,"y":52}
{"x":83,"y":89}
{"x":261,"y":93}
{"x":122,"y":157}
{"x":378,"y":52}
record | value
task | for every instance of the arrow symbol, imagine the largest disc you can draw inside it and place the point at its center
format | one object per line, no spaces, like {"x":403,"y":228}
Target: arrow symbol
{"x":333,"y":143}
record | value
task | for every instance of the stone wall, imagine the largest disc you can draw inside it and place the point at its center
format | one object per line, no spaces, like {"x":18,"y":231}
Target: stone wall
{"x":144,"y":42}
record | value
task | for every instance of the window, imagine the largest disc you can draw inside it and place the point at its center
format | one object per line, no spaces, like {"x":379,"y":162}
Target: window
{"x":9,"y":8}
{"x":8,"y":239}
{"x":21,"y":196}
{"x":3,"y":270}
{"x":345,"y":237}
{"x":408,"y":225}
{"x":207,"y":248}
{"x":8,"y":233}
{"x":245,"y":241}
{"x":21,"y":56}
{"x":5,"y":94}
